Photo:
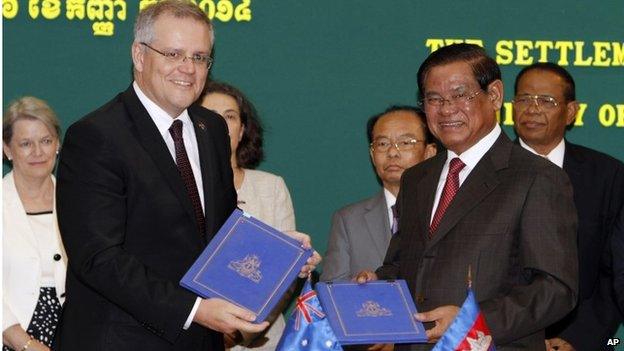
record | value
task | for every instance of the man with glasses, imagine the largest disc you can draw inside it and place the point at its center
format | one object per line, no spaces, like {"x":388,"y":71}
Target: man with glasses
{"x":360,"y":232}
{"x":545,"y":107}
{"x":144,"y":183}
{"x":484,"y":206}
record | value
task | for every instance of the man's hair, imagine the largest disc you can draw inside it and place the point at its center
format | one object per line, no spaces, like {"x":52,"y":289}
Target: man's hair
{"x":417,"y":112}
{"x":29,"y":108}
{"x":569,"y":90}
{"x":249,"y":153}
{"x":144,"y":24}
{"x":484,"y":68}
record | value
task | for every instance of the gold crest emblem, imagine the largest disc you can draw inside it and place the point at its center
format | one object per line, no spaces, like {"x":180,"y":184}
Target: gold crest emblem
{"x":373,"y":309}
{"x":248,"y":267}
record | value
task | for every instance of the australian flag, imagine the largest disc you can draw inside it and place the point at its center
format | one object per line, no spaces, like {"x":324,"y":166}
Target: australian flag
{"x":468,"y":331}
{"x":308,"y":329}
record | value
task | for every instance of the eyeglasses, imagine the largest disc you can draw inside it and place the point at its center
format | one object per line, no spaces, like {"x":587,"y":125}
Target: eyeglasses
{"x":178,"y":57}
{"x":543,"y":101}
{"x":456,"y":99}
{"x":382,"y":145}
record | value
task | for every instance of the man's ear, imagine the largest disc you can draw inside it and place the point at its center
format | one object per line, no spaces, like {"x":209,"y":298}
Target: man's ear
{"x":495,"y":93}
{"x":138,"y":55}
{"x":572,"y":108}
{"x":430,"y":150}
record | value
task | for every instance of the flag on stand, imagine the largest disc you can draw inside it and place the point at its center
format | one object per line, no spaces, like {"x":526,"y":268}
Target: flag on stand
{"x":468,"y":332}
{"x":308,"y":329}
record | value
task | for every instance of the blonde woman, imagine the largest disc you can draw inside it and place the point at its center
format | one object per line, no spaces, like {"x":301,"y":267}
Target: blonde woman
{"x":33,"y":281}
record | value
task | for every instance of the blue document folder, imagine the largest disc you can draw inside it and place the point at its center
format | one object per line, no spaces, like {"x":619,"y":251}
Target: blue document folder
{"x":371,"y":313}
{"x":247,"y":263}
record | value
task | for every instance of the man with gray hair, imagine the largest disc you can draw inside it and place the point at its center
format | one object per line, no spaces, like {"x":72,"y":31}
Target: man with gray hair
{"x":144,"y":183}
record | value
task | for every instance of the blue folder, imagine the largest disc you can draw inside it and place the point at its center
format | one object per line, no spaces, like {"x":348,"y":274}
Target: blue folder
{"x":371,"y":313}
{"x":247,"y":263}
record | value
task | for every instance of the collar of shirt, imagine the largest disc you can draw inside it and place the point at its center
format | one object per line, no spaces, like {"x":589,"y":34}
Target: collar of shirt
{"x":473,"y":155}
{"x":163,"y":122}
{"x":390,"y":201}
{"x":161,"y":118}
{"x":470,"y":158}
{"x":555,"y":155}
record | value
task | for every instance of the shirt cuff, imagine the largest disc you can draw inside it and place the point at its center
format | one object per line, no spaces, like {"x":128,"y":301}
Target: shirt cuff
{"x":189,"y":320}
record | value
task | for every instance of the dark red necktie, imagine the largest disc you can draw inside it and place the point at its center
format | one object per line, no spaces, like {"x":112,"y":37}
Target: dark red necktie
{"x":448,"y":193}
{"x":184,"y":167}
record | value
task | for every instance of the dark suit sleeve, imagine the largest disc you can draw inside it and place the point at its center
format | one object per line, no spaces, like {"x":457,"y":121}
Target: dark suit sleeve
{"x":547,"y":254}
{"x":92,"y":210}
{"x":618,"y":260}
{"x":337,"y":258}
{"x":596,"y":317}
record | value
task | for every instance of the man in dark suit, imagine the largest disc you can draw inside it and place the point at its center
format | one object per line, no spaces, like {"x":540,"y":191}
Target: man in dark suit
{"x":360,"y":232}
{"x":144,"y":182}
{"x":544,"y":107}
{"x":486,"y":204}
{"x":617,"y":248}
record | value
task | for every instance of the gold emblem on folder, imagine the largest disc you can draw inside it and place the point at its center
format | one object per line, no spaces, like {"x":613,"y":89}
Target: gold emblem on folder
{"x":373,"y":309}
{"x":248,"y":267}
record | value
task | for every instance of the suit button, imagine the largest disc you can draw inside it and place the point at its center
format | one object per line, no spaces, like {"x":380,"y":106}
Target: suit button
{"x":57,"y":257}
{"x":420,"y":298}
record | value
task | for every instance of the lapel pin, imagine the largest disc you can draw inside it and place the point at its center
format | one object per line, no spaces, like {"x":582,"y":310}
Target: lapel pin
{"x":201,"y":125}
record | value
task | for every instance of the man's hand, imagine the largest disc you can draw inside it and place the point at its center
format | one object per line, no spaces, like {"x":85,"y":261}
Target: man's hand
{"x":365,"y":276}
{"x":225,"y":317}
{"x":381,"y":347}
{"x":306,"y":243}
{"x":558,"y":344}
{"x":442,"y":316}
{"x":232,"y":340}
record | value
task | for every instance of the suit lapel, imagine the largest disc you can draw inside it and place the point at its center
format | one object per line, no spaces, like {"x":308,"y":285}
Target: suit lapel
{"x":14,"y":207}
{"x":423,"y":192}
{"x":479,"y":184}
{"x":573,"y":164}
{"x":149,"y":137}
{"x":377,"y":223}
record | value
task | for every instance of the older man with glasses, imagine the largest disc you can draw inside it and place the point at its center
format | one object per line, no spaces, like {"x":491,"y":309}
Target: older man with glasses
{"x":360,"y":232}
{"x":545,"y":108}
{"x":485,"y":206}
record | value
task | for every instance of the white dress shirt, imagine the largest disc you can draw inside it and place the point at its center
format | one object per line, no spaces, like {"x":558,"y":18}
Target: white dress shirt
{"x":163,"y":122}
{"x":555,"y":155}
{"x":470,"y":158}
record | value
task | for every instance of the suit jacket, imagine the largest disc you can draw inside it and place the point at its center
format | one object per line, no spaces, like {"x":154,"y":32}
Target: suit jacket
{"x":598,"y":183}
{"x":130,"y":232}
{"x":358,"y":240}
{"x":618,"y":260}
{"x":21,"y":260}
{"x":513,"y":222}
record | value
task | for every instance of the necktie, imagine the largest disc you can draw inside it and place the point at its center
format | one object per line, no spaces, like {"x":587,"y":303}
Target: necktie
{"x":448,"y":193}
{"x":395,"y":220}
{"x":186,"y":172}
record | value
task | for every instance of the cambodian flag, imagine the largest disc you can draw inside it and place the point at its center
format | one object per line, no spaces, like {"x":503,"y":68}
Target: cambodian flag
{"x":468,"y":331}
{"x":308,"y":329}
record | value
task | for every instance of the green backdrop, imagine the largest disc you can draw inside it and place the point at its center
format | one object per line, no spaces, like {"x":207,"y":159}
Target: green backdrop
{"x":316,"y":70}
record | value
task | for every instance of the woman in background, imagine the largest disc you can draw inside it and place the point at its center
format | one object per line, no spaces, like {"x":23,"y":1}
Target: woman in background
{"x":33,"y":258}
{"x":261,"y":194}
